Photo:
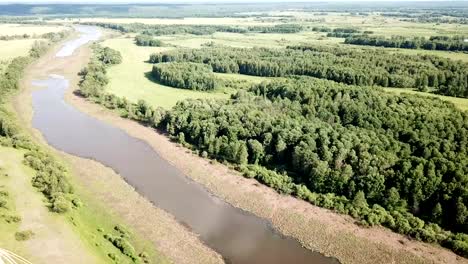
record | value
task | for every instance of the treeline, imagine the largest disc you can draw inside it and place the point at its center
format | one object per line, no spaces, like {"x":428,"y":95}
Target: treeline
{"x":340,"y":64}
{"x":159,"y":30}
{"x":397,"y":161}
{"x":280,"y":28}
{"x":185,"y":75}
{"x":339,"y":32}
{"x":51,"y":177}
{"x":93,"y":76}
{"x":455,"y":43}
{"x":146,"y":40}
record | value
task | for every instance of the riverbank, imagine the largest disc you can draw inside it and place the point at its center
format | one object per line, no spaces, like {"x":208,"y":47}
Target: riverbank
{"x":317,"y":228}
{"x":105,"y":193}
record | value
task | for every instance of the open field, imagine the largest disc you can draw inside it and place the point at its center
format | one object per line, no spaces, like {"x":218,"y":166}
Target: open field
{"x":18,"y":29}
{"x":14,"y":48}
{"x":250,"y":40}
{"x":128,"y":78}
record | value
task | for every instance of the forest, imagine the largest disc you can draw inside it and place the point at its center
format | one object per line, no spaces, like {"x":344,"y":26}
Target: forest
{"x":454,"y":43}
{"x":394,"y":160}
{"x":185,"y":75}
{"x":340,"y":64}
{"x":400,"y":163}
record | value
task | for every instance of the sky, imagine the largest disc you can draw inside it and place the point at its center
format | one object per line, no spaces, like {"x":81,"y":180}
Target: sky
{"x":195,"y":1}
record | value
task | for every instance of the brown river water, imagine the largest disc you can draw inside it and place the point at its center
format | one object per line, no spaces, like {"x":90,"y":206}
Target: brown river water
{"x":238,"y":236}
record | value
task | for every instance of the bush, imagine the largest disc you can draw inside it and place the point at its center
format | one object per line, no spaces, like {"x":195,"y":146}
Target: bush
{"x":60,"y":204}
{"x":24,"y":235}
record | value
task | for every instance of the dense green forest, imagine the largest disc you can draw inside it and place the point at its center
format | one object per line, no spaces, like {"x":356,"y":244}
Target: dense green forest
{"x":454,"y":43}
{"x":146,"y":40}
{"x":393,"y":160}
{"x":346,"y":65}
{"x":386,"y":159}
{"x":185,"y":75}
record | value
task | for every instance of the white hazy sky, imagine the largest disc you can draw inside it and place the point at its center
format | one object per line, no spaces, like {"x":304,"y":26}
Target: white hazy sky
{"x":198,"y":1}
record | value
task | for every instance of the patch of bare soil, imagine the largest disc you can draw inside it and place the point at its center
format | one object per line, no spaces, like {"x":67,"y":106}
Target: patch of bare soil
{"x":103,"y":185}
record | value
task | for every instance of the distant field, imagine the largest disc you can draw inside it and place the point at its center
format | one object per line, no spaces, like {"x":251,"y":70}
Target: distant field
{"x":18,"y":29}
{"x":128,"y":78}
{"x":461,"y":103}
{"x":249,"y":40}
{"x":14,"y":48}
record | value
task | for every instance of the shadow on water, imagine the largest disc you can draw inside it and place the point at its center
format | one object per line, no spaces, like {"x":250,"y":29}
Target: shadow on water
{"x":239,"y":236}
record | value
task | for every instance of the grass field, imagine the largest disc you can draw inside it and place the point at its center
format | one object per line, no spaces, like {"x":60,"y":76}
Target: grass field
{"x":128,"y":79}
{"x":15,"y":48}
{"x":18,"y":29}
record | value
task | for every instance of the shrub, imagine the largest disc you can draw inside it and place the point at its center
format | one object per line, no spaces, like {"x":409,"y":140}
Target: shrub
{"x":24,"y":235}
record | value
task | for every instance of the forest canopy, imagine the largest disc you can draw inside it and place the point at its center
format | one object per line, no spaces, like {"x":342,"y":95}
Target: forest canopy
{"x":341,"y":64}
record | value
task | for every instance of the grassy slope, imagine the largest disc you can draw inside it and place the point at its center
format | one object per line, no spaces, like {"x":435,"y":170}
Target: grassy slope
{"x":128,"y":78}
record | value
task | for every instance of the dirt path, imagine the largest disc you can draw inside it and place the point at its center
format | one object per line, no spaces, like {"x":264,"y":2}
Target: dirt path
{"x":53,"y":238}
{"x":102,"y":186}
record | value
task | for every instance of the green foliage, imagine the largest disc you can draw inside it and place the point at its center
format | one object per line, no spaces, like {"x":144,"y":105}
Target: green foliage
{"x":345,"y":148}
{"x":186,"y":75}
{"x":280,"y":28}
{"x":146,"y":40}
{"x":340,"y":64}
{"x":93,"y":76}
{"x":454,"y":43}
{"x":123,"y":245}
{"x":24,"y":235}
{"x":60,"y":204}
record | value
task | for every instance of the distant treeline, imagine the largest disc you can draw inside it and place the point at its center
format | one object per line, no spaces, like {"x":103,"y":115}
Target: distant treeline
{"x":339,"y":32}
{"x":158,"y":30}
{"x":340,"y":64}
{"x":454,"y":43}
{"x":281,"y":28}
{"x":185,"y":75}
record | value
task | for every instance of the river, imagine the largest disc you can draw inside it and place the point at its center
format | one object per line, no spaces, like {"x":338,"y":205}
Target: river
{"x":240,"y":237}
